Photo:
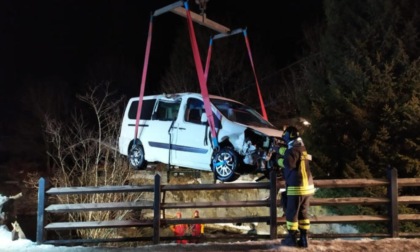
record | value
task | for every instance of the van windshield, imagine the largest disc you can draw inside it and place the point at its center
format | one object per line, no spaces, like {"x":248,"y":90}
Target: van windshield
{"x":240,"y":113}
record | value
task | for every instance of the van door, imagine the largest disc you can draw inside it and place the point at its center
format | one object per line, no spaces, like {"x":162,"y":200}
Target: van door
{"x":129,"y":122}
{"x":192,"y":143}
{"x":160,"y":136}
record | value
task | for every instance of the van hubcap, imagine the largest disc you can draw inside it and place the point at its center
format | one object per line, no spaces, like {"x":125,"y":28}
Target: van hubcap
{"x":224,"y":164}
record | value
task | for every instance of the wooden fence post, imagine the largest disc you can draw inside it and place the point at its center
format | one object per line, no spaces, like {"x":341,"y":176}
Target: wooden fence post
{"x":156,"y":210}
{"x":40,"y":213}
{"x":392,"y":175}
{"x":273,"y":204}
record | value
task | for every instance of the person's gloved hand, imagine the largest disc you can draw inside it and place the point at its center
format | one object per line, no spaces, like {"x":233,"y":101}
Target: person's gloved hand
{"x":282,"y":150}
{"x":280,"y":162}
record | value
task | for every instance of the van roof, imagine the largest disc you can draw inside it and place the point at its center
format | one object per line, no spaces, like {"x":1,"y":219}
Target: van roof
{"x":189,"y":94}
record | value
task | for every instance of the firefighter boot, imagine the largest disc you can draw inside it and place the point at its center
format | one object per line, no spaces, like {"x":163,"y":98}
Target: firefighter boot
{"x":290,"y":239}
{"x":303,"y":241}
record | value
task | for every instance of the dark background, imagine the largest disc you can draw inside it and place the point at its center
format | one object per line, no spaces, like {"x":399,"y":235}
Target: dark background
{"x":62,"y":40}
{"x":68,"y":44}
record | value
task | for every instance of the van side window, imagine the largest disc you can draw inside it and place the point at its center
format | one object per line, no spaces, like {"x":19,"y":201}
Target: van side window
{"x":146,"y":109}
{"x":167,"y":111}
{"x":195,"y":108}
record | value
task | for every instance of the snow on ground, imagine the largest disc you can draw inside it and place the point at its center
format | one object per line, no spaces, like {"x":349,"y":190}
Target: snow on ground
{"x":336,"y":245}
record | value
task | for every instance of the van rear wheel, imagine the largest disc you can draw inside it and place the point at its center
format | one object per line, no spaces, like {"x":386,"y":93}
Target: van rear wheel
{"x":136,"y":156}
{"x":225,"y":164}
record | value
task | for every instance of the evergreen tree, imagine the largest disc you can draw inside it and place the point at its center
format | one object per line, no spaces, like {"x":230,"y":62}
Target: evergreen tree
{"x":363,"y":95}
{"x":364,"y":90}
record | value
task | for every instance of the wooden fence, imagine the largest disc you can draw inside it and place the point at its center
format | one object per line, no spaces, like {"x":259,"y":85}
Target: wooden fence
{"x":158,"y":206}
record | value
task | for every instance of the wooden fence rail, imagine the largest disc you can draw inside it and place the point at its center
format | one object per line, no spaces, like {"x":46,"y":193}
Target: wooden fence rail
{"x":158,"y":205}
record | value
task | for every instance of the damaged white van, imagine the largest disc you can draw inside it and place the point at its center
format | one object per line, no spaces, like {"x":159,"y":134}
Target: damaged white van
{"x":173,"y":129}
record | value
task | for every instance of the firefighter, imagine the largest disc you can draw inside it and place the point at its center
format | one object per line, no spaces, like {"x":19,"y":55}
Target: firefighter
{"x":179,"y":230}
{"x":299,"y":188}
{"x":197,"y":229}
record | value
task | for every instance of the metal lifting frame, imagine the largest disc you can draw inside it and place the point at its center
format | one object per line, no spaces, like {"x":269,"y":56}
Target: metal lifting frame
{"x":191,"y":16}
{"x":179,"y":10}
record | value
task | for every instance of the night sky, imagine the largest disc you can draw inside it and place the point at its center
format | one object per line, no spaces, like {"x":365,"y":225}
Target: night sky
{"x":61,"y":45}
{"x":63,"y":41}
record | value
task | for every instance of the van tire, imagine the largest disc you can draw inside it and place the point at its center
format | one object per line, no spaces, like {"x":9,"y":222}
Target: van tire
{"x":224,"y":164}
{"x":136,"y":156}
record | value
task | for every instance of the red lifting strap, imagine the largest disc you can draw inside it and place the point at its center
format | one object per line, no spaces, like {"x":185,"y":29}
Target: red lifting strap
{"x":234,"y":32}
{"x":264,"y":113}
{"x":206,"y":72}
{"x":143,"y":78}
{"x":201,"y":77}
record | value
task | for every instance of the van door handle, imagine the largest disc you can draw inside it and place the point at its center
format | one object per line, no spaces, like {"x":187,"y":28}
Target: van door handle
{"x":140,"y":125}
{"x":182,"y":128}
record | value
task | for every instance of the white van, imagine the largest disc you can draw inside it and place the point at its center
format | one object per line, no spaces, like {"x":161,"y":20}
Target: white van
{"x":173,"y":130}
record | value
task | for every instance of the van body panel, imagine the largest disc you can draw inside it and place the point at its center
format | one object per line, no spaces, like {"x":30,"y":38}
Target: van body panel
{"x":171,"y":130}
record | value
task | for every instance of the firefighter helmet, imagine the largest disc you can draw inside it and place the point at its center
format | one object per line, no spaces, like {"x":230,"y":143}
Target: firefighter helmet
{"x":291,"y":133}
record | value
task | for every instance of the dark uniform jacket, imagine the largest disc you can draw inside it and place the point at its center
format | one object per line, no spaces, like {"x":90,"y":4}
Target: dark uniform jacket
{"x":297,"y":173}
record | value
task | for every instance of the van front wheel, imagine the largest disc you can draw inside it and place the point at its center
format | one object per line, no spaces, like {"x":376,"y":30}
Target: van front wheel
{"x":136,"y":156}
{"x":225,"y":164}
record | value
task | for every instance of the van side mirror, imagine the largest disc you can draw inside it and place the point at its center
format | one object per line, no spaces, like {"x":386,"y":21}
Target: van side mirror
{"x":203,"y":118}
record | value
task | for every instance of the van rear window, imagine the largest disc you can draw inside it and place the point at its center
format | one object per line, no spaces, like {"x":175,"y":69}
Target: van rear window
{"x":146,"y":109}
